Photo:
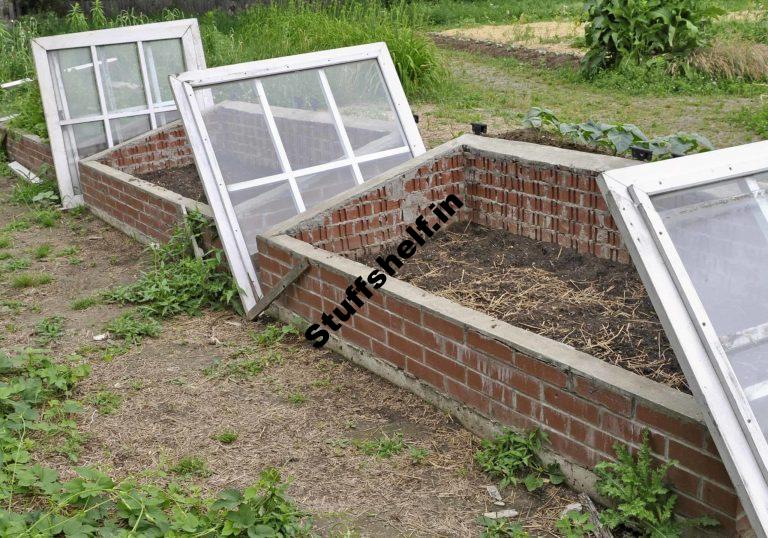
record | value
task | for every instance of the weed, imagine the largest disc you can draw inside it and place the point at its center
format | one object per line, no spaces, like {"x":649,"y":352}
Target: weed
{"x":68,"y":251}
{"x":77,"y":211}
{"x":500,"y":528}
{"x":226,"y":437}
{"x":136,"y":384}
{"x":5,"y":241}
{"x":17,"y":224}
{"x":83,"y":303}
{"x":13,"y":306}
{"x":31,"y":280}
{"x":191,"y":466}
{"x":132,"y":327}
{"x":756,"y":120}
{"x":179,"y":283}
{"x":87,"y":349}
{"x":49,"y":329}
{"x":574,"y":524}
{"x":17,"y":264}
{"x":105,"y":401}
{"x":75,"y":261}
{"x":47,"y":218}
{"x":297,"y":398}
{"x":5,"y":256}
{"x":642,"y":500}
{"x":42,"y":251}
{"x":511,"y":455}
{"x":383,"y":447}
{"x":30,"y":194}
{"x":418,"y":455}
{"x":273,"y":334}
{"x":242,"y":368}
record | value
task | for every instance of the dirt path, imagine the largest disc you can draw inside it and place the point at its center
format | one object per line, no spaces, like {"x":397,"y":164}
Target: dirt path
{"x":302,"y":413}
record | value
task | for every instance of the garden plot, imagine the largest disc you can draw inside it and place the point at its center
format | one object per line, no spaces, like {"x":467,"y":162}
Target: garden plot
{"x":594,"y":305}
{"x":159,"y":410}
{"x":556,"y":37}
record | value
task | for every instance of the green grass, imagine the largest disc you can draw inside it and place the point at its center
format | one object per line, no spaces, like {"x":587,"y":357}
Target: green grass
{"x":17,"y":264}
{"x":31,"y":280}
{"x":83,"y":303}
{"x":42,"y":251}
{"x":383,"y":447}
{"x":227,"y":437}
{"x":47,"y":218}
{"x":5,"y":241}
{"x":105,"y":401}
{"x":133,"y":327}
{"x":754,"y":119}
{"x":191,"y":466}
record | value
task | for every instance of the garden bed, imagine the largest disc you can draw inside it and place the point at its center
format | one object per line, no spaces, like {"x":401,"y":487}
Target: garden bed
{"x":597,"y":306}
{"x":183,"y":180}
{"x":546,"y":138}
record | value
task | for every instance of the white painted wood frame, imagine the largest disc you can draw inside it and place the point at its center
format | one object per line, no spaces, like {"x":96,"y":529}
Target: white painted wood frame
{"x":702,"y":354}
{"x":218,"y":192}
{"x":185,"y":30}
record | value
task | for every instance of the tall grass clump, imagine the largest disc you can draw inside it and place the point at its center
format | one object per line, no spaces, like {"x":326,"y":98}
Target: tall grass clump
{"x":268,"y":31}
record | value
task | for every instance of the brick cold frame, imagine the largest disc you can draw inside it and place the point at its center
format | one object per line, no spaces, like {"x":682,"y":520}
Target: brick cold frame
{"x":483,"y":371}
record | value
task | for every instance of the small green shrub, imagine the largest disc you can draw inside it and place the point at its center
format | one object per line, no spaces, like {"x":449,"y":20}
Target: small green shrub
{"x":49,"y":329}
{"x":638,"y":30}
{"x":31,"y":280}
{"x":133,"y":327}
{"x":512,"y":455}
{"x":383,"y":447}
{"x":642,"y":499}
{"x":575,"y":525}
{"x":617,"y":138}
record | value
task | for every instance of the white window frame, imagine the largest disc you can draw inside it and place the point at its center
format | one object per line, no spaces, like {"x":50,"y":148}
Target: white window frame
{"x":186,"y":30}
{"x":217,"y":191}
{"x":702,"y":356}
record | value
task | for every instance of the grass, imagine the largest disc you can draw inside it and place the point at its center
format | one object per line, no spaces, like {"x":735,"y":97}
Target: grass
{"x":191,"y":466}
{"x":106,"y":402}
{"x":84,"y":303}
{"x":42,"y":251}
{"x":383,"y":447}
{"x":31,"y":280}
{"x":227,"y":437}
{"x":755,"y":120}
{"x":47,"y":218}
{"x":5,"y":241}
{"x":16,"y":264}
{"x":133,"y":327}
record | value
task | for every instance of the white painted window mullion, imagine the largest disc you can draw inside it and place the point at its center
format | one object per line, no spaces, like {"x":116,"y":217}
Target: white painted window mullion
{"x":339,"y":123}
{"x":281,"y":154}
{"x":102,"y":101}
{"x":145,"y":80}
{"x":258,"y":182}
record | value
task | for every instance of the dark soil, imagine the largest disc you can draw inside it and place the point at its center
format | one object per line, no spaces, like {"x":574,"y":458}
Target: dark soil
{"x":184,"y":181}
{"x":594,"y":305}
{"x":543,"y":58}
{"x":538,"y":136}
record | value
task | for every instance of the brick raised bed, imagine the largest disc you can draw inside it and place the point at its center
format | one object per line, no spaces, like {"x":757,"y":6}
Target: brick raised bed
{"x":28,"y":149}
{"x":486,"y":372}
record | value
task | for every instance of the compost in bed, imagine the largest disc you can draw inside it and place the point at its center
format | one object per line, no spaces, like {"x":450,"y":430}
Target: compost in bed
{"x":597,"y":306}
{"x":183,"y":180}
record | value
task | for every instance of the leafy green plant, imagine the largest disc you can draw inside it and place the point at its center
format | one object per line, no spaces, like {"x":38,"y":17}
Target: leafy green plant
{"x":383,"y":447}
{"x":49,"y":329}
{"x":179,"y":283}
{"x":42,"y":251}
{"x":273,"y":334}
{"x":133,"y":327}
{"x":574,"y":524}
{"x":617,"y":138}
{"x":638,"y":30}
{"x":512,"y":455}
{"x":226,"y":437}
{"x":31,"y":280}
{"x":16,"y":264}
{"x":642,"y":499}
{"x":105,"y":401}
{"x":83,"y":303}
{"x":500,"y":528}
{"x":297,"y":398}
{"x":191,"y":466}
{"x":47,"y":218}
{"x":418,"y":455}
{"x":34,"y":194}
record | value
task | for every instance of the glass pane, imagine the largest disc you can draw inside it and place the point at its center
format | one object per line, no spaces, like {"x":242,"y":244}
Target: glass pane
{"x":126,"y":128}
{"x":365,"y":106}
{"x":315,"y":188}
{"x":303,"y":119}
{"x":163,"y":58}
{"x":89,"y":138}
{"x":262,"y":207}
{"x":166,"y":117}
{"x":375,"y":168}
{"x":75,"y":79}
{"x":235,"y":122}
{"x":720,"y":232}
{"x":121,"y":77}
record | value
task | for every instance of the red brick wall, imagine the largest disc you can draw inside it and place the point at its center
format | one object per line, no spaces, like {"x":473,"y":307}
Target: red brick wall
{"x":160,"y":149}
{"x":29,"y":150}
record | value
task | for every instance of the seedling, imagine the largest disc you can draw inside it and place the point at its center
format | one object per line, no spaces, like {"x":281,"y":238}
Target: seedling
{"x":31,"y":280}
{"x":226,"y":437}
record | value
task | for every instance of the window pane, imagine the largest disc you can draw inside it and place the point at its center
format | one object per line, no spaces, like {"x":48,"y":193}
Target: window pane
{"x":74,"y":83}
{"x":720,"y":232}
{"x":121,"y":77}
{"x":235,"y":122}
{"x":315,"y":188}
{"x":303,"y":119}
{"x":89,"y":138}
{"x":126,"y":128}
{"x":167,"y":117}
{"x":365,"y":106}
{"x":375,"y":168}
{"x":262,"y":207}
{"x":164,"y":57}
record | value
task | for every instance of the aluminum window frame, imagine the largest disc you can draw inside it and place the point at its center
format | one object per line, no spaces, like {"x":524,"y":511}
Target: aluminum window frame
{"x":699,"y":350}
{"x":186,"y":30}
{"x":217,"y":191}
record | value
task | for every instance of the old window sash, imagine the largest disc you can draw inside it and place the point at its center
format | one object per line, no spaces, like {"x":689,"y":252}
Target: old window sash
{"x":701,"y":351}
{"x":60,"y":122}
{"x":189,"y":92}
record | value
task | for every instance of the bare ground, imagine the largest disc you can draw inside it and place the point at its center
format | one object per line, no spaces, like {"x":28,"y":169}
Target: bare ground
{"x":176,"y":395}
